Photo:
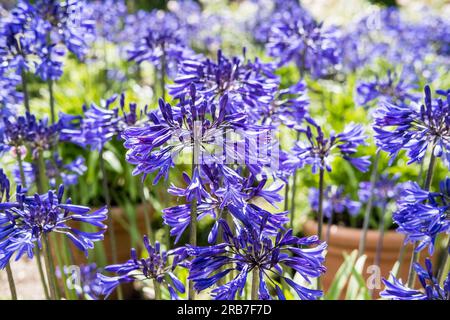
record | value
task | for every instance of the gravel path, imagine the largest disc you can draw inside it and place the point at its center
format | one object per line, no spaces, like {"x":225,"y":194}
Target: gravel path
{"x":26,"y":277}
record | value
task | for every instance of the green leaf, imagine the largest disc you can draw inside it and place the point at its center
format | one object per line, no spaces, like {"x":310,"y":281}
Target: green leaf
{"x":341,"y":278}
{"x":356,"y":285}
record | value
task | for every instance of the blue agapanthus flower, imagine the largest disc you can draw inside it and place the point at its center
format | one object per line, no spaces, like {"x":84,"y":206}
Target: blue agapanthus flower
{"x":386,"y":189}
{"x":252,"y":251}
{"x":432,"y":289}
{"x":319,"y":151}
{"x":10,"y":97}
{"x":85,"y":280}
{"x":109,"y":23}
{"x":100,"y":124}
{"x":174,"y":129}
{"x":22,"y":35}
{"x":163,"y":43}
{"x":24,"y":222}
{"x":232,"y":193}
{"x":4,"y":186}
{"x":335,"y":201}
{"x":36,"y":134}
{"x":394,"y":88}
{"x":289,"y":107}
{"x":250,"y":85}
{"x":68,"y":23}
{"x":55,"y":168}
{"x":423,"y":215}
{"x":305,"y":42}
{"x":415,"y":128}
{"x":154,"y":266}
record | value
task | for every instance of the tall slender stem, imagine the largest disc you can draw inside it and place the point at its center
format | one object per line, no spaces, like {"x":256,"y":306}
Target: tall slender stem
{"x":416,"y":254}
{"x":294,"y":190}
{"x":381,"y":230}
{"x":147,"y":218}
{"x":26,"y":98}
{"x":40,"y":177}
{"x":320,"y":213}
{"x":12,"y":285}
{"x":162,"y":76}
{"x":286,"y":196}
{"x":37,"y":253}
{"x":368,"y":212}
{"x":48,"y":267}
{"x":443,"y":266}
{"x":111,"y":228}
{"x":157,"y":288}
{"x":52,"y":101}
{"x":255,"y":284}
{"x":321,"y":196}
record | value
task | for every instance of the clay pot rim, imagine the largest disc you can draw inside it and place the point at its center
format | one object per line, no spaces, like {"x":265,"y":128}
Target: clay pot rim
{"x":348,"y":236}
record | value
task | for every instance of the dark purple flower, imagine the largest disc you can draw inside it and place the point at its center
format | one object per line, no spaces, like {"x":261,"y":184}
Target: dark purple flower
{"x":249,"y":250}
{"x":432,"y":289}
{"x":156,"y":267}
{"x":23,"y":223}
{"x":415,"y":128}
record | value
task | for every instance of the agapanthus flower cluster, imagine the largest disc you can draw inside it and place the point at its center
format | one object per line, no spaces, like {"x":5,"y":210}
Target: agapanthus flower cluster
{"x":423,"y":215}
{"x":109,"y":23}
{"x":250,"y":85}
{"x":25,"y":221}
{"x":85,"y":280}
{"x":36,"y":134}
{"x":100,"y":124}
{"x":289,"y":107}
{"x":34,"y":36}
{"x":251,"y":251}
{"x":386,"y":189}
{"x":154,"y":265}
{"x":432,"y":289}
{"x":232,"y":194}
{"x":55,"y":168}
{"x":305,"y":42}
{"x":386,"y":34}
{"x":335,"y":201}
{"x":415,"y":128}
{"x":190,"y":124}
{"x":394,"y":88}
{"x":163,"y":43}
{"x":319,"y":151}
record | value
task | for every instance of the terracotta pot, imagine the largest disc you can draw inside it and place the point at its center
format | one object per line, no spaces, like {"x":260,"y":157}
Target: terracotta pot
{"x":343,"y":239}
{"x":123,"y":241}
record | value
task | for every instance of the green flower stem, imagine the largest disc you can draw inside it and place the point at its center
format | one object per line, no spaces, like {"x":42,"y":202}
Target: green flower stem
{"x":381,"y":231}
{"x":147,"y":218}
{"x":52,"y":101}
{"x":48,"y":266}
{"x":37,"y":253}
{"x":294,"y":191}
{"x":12,"y":285}
{"x":255,"y":284}
{"x":41,"y":183}
{"x":320,"y":213}
{"x":368,"y":212}
{"x":321,"y":196}
{"x":157,"y":287}
{"x":416,"y":255}
{"x":163,"y":73}
{"x":26,"y":98}
{"x":286,"y":196}
{"x":441,"y":272}
{"x":110,"y":222}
